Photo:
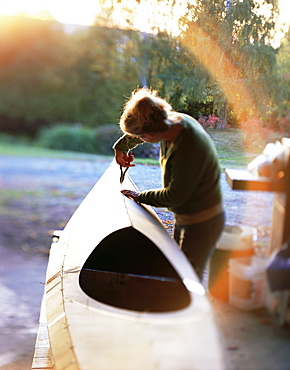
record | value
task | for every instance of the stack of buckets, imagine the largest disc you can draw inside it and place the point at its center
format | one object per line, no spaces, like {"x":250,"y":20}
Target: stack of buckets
{"x":235,"y":274}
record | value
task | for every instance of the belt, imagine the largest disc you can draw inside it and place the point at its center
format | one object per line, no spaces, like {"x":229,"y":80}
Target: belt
{"x":196,"y":218}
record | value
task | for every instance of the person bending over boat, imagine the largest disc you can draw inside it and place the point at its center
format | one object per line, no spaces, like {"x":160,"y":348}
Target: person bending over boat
{"x":190,"y":171}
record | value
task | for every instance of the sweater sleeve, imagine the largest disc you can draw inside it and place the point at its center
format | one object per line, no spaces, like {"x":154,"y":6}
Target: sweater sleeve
{"x":126,"y":143}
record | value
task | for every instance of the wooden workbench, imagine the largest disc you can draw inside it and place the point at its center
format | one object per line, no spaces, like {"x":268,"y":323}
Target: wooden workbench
{"x":277,"y":302}
{"x":244,"y":180}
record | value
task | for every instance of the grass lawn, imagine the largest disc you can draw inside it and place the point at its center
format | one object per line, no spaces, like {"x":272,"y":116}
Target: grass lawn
{"x":229,"y":144}
{"x":26,"y":150}
{"x":231,"y":149}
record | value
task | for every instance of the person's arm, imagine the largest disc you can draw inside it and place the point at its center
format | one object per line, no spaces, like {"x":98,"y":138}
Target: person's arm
{"x":122,"y":148}
{"x":126,"y":143}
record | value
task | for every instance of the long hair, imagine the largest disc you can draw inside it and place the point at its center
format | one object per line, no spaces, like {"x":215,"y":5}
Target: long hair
{"x":145,"y":112}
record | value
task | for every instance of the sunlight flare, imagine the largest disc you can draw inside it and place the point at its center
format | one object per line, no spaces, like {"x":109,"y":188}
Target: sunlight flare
{"x":82,"y":13}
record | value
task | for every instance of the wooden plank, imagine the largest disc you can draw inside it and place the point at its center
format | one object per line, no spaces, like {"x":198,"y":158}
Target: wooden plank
{"x":42,"y":358}
{"x":60,"y":341}
{"x":244,"y":180}
{"x":278,"y":222}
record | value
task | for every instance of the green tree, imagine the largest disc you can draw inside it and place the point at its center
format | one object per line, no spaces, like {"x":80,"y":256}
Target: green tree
{"x":283,"y":71}
{"x":282,"y":86}
{"x":106,"y":73}
{"x":33,"y":56}
{"x":47,"y":74}
{"x":232,"y":41}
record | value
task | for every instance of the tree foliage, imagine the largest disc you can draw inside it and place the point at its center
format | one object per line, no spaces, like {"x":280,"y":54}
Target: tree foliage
{"x":222,"y":63}
{"x":283,"y":74}
{"x":233,"y":42}
{"x":33,"y":59}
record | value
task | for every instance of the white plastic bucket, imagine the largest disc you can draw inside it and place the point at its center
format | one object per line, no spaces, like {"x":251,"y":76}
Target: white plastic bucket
{"x":237,"y":237}
{"x":248,"y":283}
{"x":236,"y":241}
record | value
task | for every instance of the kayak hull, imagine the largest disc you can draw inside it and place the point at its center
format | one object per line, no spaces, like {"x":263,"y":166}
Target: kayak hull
{"x":120,"y":294}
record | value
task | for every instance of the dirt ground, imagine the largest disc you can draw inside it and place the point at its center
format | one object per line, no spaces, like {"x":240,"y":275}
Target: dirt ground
{"x":39,"y":195}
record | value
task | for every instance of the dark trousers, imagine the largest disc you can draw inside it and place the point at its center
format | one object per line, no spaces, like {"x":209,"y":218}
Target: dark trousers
{"x":197,"y":241}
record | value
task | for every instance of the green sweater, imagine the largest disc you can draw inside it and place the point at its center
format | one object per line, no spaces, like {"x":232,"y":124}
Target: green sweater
{"x":190,"y":170}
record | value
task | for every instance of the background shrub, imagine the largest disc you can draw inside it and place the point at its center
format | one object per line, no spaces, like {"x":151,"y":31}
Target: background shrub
{"x":15,"y":139}
{"x":75,"y":138}
{"x":107,"y":134}
{"x":147,"y":150}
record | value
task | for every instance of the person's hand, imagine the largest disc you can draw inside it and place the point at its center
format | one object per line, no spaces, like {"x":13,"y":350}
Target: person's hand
{"x":130,"y":194}
{"x":123,"y":159}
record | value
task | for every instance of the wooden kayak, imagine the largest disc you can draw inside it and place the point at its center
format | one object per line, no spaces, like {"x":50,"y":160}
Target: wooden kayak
{"x":120,"y":294}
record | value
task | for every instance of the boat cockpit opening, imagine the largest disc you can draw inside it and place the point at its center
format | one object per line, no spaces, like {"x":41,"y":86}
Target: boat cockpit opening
{"x":127,"y":270}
